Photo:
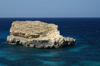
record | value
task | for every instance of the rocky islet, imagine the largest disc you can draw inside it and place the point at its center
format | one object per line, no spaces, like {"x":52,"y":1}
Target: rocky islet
{"x":37,"y":34}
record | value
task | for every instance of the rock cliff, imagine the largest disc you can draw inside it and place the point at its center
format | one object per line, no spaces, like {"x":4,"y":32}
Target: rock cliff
{"x":37,"y":34}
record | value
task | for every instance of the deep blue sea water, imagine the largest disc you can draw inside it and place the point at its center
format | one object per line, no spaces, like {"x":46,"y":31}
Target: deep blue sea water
{"x":86,"y":51}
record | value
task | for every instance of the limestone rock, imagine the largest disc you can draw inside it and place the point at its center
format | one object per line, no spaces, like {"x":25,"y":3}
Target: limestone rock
{"x":37,"y":34}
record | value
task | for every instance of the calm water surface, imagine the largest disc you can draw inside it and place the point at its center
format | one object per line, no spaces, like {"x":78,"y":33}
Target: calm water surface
{"x":86,"y":51}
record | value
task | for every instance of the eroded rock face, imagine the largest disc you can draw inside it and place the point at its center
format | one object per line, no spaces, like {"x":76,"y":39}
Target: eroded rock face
{"x":37,"y":34}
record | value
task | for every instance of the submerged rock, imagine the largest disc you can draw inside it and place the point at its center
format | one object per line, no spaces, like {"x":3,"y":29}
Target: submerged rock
{"x":37,"y":34}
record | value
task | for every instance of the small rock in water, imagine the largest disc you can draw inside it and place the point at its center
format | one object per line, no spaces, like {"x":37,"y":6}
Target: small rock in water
{"x":37,"y":34}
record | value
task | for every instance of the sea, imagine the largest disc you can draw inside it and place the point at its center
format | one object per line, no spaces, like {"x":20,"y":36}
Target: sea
{"x":85,"y":52}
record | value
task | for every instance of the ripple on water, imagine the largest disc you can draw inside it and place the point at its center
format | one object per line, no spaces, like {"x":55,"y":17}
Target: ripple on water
{"x":5,"y":42}
{"x":2,"y":65}
{"x":90,"y":63}
{"x":47,"y":54}
{"x":4,"y":53}
{"x":14,"y":57}
{"x":78,"y":49}
{"x":10,"y":56}
{"x":75,"y":65}
{"x":46,"y":62}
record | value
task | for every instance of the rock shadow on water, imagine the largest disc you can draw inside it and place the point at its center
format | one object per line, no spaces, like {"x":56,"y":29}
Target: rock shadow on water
{"x":50,"y":63}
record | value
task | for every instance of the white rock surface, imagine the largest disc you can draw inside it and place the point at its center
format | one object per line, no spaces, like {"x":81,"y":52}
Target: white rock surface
{"x":37,"y":34}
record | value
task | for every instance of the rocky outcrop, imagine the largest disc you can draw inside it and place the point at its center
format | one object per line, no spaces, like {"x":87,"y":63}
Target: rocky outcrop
{"x":37,"y":34}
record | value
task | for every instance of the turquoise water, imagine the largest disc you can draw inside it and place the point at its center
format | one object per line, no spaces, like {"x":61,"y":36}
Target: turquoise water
{"x":86,"y":51}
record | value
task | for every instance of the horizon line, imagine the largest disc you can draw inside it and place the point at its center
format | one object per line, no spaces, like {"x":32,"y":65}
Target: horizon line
{"x":49,"y":17}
